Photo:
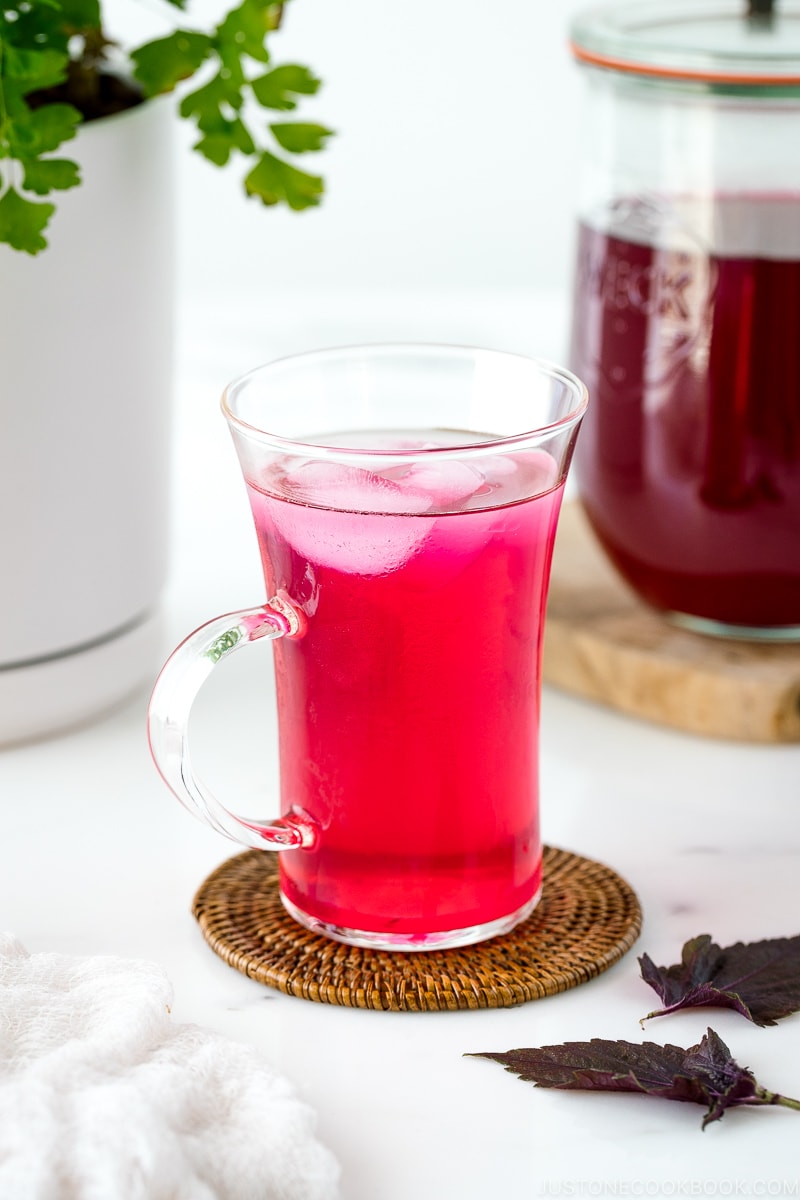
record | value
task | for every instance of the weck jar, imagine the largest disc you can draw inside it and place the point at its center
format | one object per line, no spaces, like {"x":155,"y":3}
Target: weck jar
{"x":686,"y":314}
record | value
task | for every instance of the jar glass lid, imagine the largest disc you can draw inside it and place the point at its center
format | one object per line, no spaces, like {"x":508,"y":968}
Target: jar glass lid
{"x":745,"y":42}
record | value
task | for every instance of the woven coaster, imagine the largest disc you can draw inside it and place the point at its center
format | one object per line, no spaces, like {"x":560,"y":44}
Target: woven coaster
{"x":587,"y":918}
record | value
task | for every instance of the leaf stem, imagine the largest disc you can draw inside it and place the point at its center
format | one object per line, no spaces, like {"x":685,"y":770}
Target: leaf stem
{"x":3,"y":112}
{"x":6,"y":178}
{"x":775,"y":1098}
{"x":661,"y":1012}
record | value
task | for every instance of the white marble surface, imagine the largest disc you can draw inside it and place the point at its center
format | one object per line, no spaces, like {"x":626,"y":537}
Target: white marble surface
{"x":96,"y":857}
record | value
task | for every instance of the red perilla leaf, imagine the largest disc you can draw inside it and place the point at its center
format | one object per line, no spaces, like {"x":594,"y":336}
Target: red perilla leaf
{"x":761,"y":980}
{"x":703,"y":1074}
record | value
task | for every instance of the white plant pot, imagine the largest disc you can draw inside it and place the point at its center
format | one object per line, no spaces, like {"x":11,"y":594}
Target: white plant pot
{"x":86,"y":334}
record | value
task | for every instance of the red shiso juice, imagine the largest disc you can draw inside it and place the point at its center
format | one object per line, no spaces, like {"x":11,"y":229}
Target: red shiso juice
{"x":689,"y":456}
{"x":409,"y":709}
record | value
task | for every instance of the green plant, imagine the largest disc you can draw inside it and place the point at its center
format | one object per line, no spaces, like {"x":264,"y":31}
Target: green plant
{"x":58,"y":68}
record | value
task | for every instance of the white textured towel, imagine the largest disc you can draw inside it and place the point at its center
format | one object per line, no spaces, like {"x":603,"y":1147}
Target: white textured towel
{"x":104,"y":1097}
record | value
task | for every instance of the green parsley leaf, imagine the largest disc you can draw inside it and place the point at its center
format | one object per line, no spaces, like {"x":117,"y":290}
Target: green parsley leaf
{"x":218,"y":108}
{"x":218,"y":146}
{"x":22,"y":222}
{"x":245,"y":28}
{"x":52,"y":50}
{"x":298,"y":137}
{"x":42,"y":130}
{"x":206,"y":103}
{"x":276,"y":88}
{"x":272,"y":180}
{"x":80,"y":14}
{"x":36,"y":26}
{"x":160,"y":65}
{"x":43,"y":175}
{"x":30,"y":69}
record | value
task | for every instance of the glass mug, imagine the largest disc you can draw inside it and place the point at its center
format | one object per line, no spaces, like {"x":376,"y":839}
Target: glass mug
{"x":405,"y":500}
{"x":686,"y":323}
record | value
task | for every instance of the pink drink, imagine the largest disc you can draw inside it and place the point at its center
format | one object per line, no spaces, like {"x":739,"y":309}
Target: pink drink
{"x":409,"y":709}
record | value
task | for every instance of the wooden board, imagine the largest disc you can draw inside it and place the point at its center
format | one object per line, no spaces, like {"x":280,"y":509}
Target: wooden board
{"x":603,"y":644}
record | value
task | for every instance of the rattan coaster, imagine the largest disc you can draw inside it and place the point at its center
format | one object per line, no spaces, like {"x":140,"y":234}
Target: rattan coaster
{"x":587,"y":919}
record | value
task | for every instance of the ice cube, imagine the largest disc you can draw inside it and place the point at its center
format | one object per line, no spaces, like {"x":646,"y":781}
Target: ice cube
{"x":351,"y":489}
{"x":446,"y":482}
{"x":517,"y":476}
{"x":538,"y":471}
{"x":495,"y":466}
{"x":347,"y":518}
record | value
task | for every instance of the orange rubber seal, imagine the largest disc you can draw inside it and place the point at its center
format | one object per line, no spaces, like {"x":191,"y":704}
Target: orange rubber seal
{"x":596,"y":59}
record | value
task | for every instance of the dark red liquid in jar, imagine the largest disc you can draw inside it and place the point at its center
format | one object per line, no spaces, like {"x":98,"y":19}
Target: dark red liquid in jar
{"x":688,"y":461}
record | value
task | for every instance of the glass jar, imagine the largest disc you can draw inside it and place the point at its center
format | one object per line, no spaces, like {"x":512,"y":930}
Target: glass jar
{"x":686,"y":314}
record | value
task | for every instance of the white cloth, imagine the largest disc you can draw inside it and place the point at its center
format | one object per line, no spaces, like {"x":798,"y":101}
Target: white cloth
{"x":103,"y":1097}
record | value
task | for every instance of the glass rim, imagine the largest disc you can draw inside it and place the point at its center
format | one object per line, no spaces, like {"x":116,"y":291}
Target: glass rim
{"x":296,"y":446}
{"x":623,"y":37}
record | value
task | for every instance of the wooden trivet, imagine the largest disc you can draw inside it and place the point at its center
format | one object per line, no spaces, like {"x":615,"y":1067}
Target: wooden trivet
{"x":587,"y":918}
{"x":602,"y":643}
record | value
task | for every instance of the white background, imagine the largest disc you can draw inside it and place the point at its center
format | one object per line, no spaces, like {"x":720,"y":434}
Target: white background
{"x":454,"y":163}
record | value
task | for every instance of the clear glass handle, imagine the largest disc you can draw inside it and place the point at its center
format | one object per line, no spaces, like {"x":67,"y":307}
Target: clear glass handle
{"x":181,"y":678}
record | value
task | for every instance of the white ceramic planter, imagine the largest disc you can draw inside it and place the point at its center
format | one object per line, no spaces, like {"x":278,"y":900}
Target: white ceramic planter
{"x":85,"y":417}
